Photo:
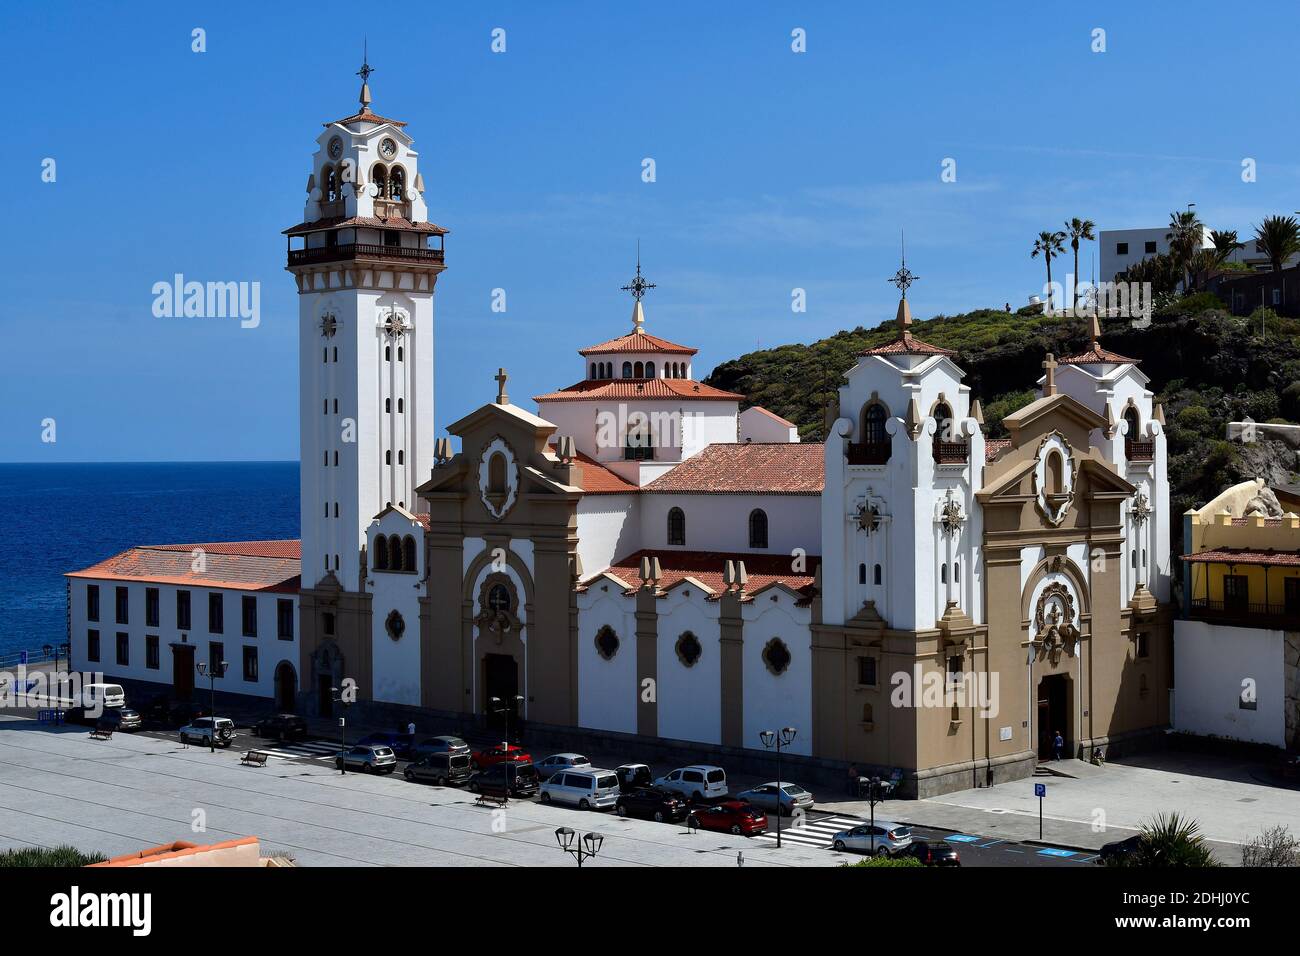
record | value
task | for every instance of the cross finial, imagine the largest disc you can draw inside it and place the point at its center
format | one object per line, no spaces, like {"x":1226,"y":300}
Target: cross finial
{"x":502,"y":397}
{"x":364,"y":73}
{"x":638,"y":286}
{"x":904,"y":277}
{"x":1049,"y":375}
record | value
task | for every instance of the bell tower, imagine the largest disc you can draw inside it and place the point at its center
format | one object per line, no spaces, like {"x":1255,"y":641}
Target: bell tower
{"x":366,"y":260}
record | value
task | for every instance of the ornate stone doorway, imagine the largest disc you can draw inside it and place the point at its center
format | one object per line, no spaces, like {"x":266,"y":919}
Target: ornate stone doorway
{"x":1054,"y":715}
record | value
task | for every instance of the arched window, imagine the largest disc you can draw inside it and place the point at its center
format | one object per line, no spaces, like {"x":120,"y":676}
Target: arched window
{"x":873,"y":424}
{"x":395,"y":553}
{"x":943,"y":574}
{"x":878,"y":575}
{"x":943,"y":431}
{"x":381,"y":553}
{"x":607,"y":370}
{"x":638,"y":370}
{"x":408,"y":553}
{"x":329,"y":184}
{"x":1134,"y":424}
{"x":401,"y":406}
{"x":627,"y":369}
{"x":401,"y":456}
{"x":677,"y":526}
{"x":649,"y":369}
{"x":388,"y":457}
{"x":1055,"y":473}
{"x":758,"y":528}
{"x":379,"y":176}
{"x":397,"y":184}
{"x":593,"y":370}
{"x":867,"y":714}
{"x":497,"y":474}
{"x":956,"y":571}
{"x":388,"y":405}
{"x":862,"y":574}
{"x":388,"y":353}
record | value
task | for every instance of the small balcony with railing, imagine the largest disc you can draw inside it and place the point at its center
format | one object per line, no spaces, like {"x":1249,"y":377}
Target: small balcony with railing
{"x":1135,"y":450}
{"x":1278,"y":615}
{"x":951,"y":452}
{"x":391,"y":249}
{"x":867,"y":452}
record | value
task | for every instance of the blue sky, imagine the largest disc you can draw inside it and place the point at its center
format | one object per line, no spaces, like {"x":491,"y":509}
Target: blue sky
{"x":775,"y":170}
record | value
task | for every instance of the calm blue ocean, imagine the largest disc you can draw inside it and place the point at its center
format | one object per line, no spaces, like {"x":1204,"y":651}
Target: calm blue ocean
{"x":59,"y":518}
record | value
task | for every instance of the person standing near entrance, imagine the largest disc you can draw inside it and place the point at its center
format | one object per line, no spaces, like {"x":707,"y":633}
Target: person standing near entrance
{"x":410,"y":729}
{"x":1058,"y":744}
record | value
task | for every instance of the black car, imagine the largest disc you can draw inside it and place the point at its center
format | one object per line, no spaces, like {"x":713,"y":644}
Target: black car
{"x":1115,"y":854}
{"x":633,"y":776}
{"x":440,"y":769}
{"x":170,"y":715}
{"x":282,"y":727}
{"x":933,"y":852}
{"x":124,"y":719}
{"x":653,"y":803}
{"x":506,"y":780}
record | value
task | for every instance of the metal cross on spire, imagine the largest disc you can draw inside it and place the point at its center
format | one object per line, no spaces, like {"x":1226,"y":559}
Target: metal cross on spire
{"x":366,"y":68}
{"x":904,"y":277}
{"x":638,"y":286}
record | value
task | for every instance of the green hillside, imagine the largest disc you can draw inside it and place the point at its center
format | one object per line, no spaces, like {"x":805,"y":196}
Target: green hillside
{"x":1207,"y":367}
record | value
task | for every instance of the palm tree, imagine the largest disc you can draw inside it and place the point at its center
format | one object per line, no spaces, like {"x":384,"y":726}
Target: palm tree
{"x":1170,"y":840}
{"x":1279,"y":239}
{"x":1050,"y":245}
{"x":1225,"y":243}
{"x":1078,"y":229}
{"x":1184,"y":238}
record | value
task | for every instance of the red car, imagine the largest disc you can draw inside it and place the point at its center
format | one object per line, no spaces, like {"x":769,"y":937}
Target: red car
{"x":501,"y":753}
{"x":731,"y":816}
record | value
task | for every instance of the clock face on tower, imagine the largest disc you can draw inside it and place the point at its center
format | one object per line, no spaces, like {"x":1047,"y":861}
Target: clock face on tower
{"x":387,"y":148}
{"x":336,"y":148}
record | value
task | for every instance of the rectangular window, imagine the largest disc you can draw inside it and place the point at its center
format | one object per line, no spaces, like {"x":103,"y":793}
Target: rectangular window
{"x":1150,"y":247}
{"x":150,"y":607}
{"x":284,"y":619}
{"x":216,"y":654}
{"x":327,"y":623}
{"x":250,"y":616}
{"x":1121,"y":248}
{"x":1236,"y":592}
{"x":151,"y":651}
{"x":1143,"y":648}
{"x":954,"y":670}
{"x":216,"y":614}
{"x":123,"y":649}
{"x":183,"y":610}
{"x":92,"y":646}
{"x":122,"y":606}
{"x":250,"y":664}
{"x":867,"y":671}
{"x":92,"y":602}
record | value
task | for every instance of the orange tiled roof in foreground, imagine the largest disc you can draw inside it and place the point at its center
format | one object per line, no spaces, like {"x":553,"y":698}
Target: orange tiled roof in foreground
{"x":599,"y":480}
{"x":1096,"y":355}
{"x":749,"y":468}
{"x":907,"y":344}
{"x":1246,"y":556}
{"x":708,"y":568}
{"x":637,"y":341}
{"x":365,"y":116}
{"x":234,"y":565}
{"x":243,"y":851}
{"x":639,"y":388}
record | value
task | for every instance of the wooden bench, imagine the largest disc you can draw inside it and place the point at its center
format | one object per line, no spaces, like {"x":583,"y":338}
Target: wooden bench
{"x":101,"y":733}
{"x":491,"y":800}
{"x":254,"y":758}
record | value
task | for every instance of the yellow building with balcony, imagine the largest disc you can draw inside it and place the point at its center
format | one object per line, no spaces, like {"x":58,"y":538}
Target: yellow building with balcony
{"x":1237,"y":645}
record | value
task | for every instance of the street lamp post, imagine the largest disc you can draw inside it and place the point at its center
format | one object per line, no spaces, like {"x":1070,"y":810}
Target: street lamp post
{"x":582,"y":849}
{"x":337,"y":696}
{"x":212,"y":670}
{"x":53,"y":650}
{"x":778,"y":739}
{"x":498,"y":706}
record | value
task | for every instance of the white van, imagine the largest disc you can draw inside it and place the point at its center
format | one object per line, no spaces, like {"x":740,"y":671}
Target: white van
{"x":586,"y":789}
{"x":699,"y":782}
{"x":96,"y":696}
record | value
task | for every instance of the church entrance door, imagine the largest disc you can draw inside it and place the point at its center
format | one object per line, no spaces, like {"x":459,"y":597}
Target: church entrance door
{"x":182,"y":671}
{"x":501,"y":681}
{"x":1053,"y":714}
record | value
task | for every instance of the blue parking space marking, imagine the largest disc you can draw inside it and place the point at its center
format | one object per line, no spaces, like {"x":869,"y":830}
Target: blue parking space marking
{"x":961,"y":838}
{"x":1055,"y":852}
{"x":990,"y":843}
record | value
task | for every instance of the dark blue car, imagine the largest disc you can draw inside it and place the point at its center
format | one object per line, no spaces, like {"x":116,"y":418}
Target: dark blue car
{"x":403,"y":745}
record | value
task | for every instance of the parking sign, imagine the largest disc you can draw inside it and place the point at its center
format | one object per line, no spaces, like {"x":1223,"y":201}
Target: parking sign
{"x":1040,"y":789}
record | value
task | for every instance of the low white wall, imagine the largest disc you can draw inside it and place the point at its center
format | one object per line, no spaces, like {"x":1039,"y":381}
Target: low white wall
{"x":1211,"y":662}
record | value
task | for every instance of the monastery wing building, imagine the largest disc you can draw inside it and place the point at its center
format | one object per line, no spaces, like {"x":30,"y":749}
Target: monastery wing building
{"x":637,"y":556}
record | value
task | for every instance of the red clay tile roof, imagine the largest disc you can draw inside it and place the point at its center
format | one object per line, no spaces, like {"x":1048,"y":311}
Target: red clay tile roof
{"x":639,"y":388}
{"x":708,"y":568}
{"x":365,"y":116}
{"x":1249,"y":522}
{"x":749,"y":468}
{"x":907,"y":344}
{"x":370,"y":222}
{"x":994,"y":447}
{"x":1245,"y":556}
{"x":235,"y":565}
{"x":1097,"y":356}
{"x":599,"y":480}
{"x":637,"y":342}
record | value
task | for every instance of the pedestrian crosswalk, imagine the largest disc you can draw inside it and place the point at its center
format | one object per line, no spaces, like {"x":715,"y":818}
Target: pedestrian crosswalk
{"x":818,"y":833}
{"x":299,"y":749}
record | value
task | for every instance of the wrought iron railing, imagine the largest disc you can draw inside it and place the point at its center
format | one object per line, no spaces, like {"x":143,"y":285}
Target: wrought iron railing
{"x":867,"y":452}
{"x":362,"y":250}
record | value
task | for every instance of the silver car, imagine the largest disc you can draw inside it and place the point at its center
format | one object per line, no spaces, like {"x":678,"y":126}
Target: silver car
{"x":368,"y":758}
{"x":793,"y":797}
{"x":200,"y":731}
{"x":885,"y":838}
{"x":557,"y":762}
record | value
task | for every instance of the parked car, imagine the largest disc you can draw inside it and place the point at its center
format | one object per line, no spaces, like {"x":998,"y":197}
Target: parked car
{"x":402,"y":745}
{"x":731,"y":816}
{"x":201,"y":731}
{"x":368,"y":758}
{"x":698,"y":782}
{"x":440,"y":769}
{"x":884,"y":838}
{"x":501,"y":753}
{"x":633,"y":776}
{"x":793,"y":797}
{"x":653,"y":803}
{"x":585,"y":788}
{"x":933,"y":852}
{"x":125,"y":719}
{"x":440,"y":745}
{"x":506,"y":780}
{"x":168,"y":714}
{"x":282,"y":727}
{"x":1114,"y":854}
{"x":558,"y":762}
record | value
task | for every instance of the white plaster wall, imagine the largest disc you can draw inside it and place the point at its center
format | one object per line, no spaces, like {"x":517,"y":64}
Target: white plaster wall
{"x":689,"y":697}
{"x":608,"y":529}
{"x":607,"y":688}
{"x":721,"y":522}
{"x":755,"y":426}
{"x":774,"y":701}
{"x":1210,"y":663}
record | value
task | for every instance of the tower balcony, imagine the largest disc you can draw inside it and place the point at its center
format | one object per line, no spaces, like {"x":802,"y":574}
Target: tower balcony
{"x":364,"y":251}
{"x":1139,"y":450}
{"x":867,"y":452}
{"x":951,"y":452}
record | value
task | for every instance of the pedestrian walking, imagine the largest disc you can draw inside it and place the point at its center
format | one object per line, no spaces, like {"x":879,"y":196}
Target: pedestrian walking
{"x":1058,"y":744}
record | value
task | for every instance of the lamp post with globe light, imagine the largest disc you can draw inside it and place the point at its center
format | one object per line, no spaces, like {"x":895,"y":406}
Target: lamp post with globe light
{"x":579,"y":849}
{"x":780,"y":740}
